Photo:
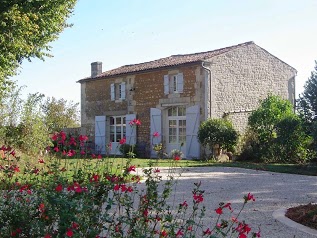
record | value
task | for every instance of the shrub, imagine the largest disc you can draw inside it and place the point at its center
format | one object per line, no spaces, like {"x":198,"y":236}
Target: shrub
{"x":55,"y":199}
{"x":276,"y":133}
{"x":128,"y":150}
{"x":217,"y":132}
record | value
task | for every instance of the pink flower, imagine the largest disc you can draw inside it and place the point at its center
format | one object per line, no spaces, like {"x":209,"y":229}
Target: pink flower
{"x":82,"y":152}
{"x":123,"y":141}
{"x":157,"y":170}
{"x":99,"y":156}
{"x":156,"y":134}
{"x":56,"y":149}
{"x":207,"y":232}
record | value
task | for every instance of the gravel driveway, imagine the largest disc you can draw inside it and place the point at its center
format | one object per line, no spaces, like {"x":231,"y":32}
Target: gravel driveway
{"x":271,"y":190}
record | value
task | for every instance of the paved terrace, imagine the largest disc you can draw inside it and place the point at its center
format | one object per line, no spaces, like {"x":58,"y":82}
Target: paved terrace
{"x":271,"y":190}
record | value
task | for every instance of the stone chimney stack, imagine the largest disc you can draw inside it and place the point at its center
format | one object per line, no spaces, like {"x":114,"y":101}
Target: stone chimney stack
{"x":96,"y":69}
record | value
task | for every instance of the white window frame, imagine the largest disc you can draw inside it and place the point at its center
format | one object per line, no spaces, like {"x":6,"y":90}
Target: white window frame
{"x":173,"y":83}
{"x":114,"y":126}
{"x":177,"y":118}
{"x":117,"y":91}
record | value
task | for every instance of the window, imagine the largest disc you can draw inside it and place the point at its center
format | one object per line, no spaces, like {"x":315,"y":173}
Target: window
{"x":117,"y":91}
{"x":176,"y":125}
{"x":173,"y":83}
{"x":117,"y":128}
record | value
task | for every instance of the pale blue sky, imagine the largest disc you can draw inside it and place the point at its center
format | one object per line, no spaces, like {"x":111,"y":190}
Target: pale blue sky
{"x":121,"y":32}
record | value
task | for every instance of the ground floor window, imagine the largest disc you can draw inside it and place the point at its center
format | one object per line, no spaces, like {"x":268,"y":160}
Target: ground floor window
{"x":176,"y":125}
{"x":117,"y":128}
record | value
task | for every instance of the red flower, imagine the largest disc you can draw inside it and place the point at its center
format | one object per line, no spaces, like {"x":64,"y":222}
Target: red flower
{"x":249,"y":197}
{"x":130,"y":189}
{"x":219,"y":211}
{"x":207,"y":232}
{"x":176,"y":157}
{"x":16,"y":169}
{"x":47,"y":236}
{"x":131,"y":168}
{"x":93,"y":156}
{"x":41,"y":207}
{"x":75,"y":225}
{"x":41,"y":161}
{"x":99,"y":156}
{"x":83,"y":138}
{"x":123,"y":141}
{"x":82,"y":152}
{"x":59,"y":188}
{"x":12,"y":153}
{"x":184,"y":204}
{"x":95,"y":178}
{"x":116,"y":187}
{"x":190,"y":228}
{"x":69,"y":233}
{"x":179,"y":233}
{"x":157,"y":170}
{"x":163,"y":233}
{"x":228,"y":205}
{"x":54,"y":137}
{"x":56,"y":149}
{"x":198,"y":198}
{"x":156,"y":134}
{"x":64,"y":152}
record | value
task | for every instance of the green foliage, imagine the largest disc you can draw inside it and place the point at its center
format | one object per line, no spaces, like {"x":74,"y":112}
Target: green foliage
{"x":60,"y":114}
{"x":307,"y":102}
{"x":276,"y":133}
{"x":27,"y":28}
{"x":217,"y":132}
{"x":128,"y":150}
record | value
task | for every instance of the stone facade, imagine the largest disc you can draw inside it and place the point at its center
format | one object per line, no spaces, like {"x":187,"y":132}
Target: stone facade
{"x":229,"y":83}
{"x":242,"y":77}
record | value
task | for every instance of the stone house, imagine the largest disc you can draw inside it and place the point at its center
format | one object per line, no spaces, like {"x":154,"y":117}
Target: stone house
{"x":173,"y":95}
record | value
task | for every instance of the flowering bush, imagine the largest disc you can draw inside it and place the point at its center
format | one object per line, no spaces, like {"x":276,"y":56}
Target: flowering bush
{"x":90,"y":199}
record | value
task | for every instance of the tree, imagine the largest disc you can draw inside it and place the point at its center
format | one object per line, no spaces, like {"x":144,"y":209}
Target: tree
{"x":26,"y":29}
{"x":217,"y":132}
{"x":307,"y":102}
{"x":59,"y":114}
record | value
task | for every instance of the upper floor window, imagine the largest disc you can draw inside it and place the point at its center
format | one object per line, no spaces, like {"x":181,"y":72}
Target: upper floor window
{"x":117,"y":91}
{"x":173,"y":83}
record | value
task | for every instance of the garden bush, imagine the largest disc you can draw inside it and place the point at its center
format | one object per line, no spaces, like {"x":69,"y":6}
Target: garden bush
{"x":218,"y":132}
{"x":57,"y":198}
{"x":276,"y":134}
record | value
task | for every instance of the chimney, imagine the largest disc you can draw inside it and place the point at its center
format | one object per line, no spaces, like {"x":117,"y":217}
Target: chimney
{"x":96,"y":69}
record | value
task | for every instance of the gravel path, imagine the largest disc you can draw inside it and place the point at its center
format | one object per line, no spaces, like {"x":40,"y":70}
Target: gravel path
{"x":271,"y":190}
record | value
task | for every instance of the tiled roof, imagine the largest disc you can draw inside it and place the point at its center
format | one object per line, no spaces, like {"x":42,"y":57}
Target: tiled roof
{"x":172,"y":60}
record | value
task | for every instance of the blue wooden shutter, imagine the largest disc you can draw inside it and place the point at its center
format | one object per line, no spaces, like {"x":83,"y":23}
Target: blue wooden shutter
{"x":112,"y":92}
{"x":100,"y":134}
{"x":156,"y":126}
{"x":180,"y":82}
{"x":166,"y":85}
{"x":130,"y":130}
{"x":192,"y":125}
{"x":122,"y":90}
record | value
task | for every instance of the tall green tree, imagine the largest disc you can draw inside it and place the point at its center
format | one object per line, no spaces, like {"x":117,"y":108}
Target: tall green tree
{"x":59,"y":114}
{"x":26,"y":29}
{"x":307,"y":102}
{"x":307,"y":105}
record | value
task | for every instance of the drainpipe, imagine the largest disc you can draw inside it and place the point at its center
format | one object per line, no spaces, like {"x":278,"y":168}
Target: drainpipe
{"x":209,"y":79}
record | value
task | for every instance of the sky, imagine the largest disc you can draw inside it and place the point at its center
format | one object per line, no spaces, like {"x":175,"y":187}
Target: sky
{"x":121,"y":32}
